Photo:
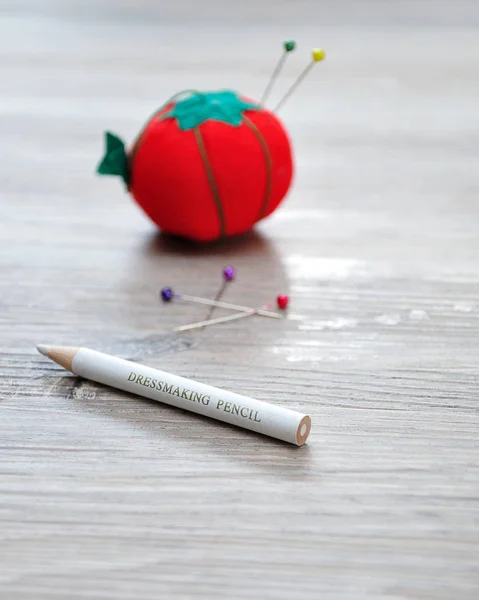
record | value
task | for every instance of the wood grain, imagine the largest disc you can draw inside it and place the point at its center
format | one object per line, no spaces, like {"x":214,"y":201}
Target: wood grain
{"x":105,"y":495}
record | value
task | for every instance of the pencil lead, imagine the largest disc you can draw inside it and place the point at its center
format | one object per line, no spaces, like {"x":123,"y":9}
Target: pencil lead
{"x":43,"y":349}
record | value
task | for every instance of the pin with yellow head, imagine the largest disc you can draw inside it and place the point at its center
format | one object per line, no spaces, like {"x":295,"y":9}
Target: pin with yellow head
{"x":317,"y":55}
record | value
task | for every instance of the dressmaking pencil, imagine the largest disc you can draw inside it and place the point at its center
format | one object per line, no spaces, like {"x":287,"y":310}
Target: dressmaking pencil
{"x":262,"y":417}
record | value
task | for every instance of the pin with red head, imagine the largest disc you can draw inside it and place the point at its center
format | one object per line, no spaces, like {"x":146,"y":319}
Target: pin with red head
{"x":281,"y":301}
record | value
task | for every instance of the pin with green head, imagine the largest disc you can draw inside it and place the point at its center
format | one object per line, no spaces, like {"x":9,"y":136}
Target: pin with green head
{"x":288,"y":46}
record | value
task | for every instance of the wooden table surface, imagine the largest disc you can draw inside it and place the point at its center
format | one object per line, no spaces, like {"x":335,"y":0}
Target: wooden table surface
{"x":104,"y":495}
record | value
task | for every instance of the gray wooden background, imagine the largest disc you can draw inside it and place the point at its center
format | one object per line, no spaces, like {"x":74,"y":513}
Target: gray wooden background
{"x":103,"y":495}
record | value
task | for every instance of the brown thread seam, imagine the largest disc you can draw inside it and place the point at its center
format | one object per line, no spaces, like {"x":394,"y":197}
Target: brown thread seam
{"x":269,"y":165}
{"x":211,"y":181}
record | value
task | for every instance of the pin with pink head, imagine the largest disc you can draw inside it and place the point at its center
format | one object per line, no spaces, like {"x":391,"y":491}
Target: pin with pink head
{"x":282,"y":301}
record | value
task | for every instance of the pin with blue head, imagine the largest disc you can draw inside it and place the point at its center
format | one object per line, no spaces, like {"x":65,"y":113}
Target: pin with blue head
{"x":167,"y":294}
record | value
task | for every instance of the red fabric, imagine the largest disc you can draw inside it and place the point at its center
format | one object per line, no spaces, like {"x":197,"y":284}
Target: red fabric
{"x":280,"y":150}
{"x":170,"y":183}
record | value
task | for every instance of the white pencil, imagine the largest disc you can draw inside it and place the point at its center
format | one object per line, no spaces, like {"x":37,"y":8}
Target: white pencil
{"x":268,"y":419}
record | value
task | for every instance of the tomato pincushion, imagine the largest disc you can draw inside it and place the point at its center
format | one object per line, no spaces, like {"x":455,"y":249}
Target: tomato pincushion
{"x":207,"y":165}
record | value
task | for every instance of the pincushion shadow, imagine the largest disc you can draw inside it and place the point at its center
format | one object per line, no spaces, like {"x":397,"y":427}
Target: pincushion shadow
{"x":196,"y":269}
{"x":251,"y":242}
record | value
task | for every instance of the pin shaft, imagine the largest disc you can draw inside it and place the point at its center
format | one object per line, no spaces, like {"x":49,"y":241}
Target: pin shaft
{"x":273,"y":77}
{"x":251,"y":312}
{"x":217,"y":298}
{"x":264,"y":313}
{"x":294,"y":86}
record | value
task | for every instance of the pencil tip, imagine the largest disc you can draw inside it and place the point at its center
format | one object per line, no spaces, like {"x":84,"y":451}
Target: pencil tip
{"x":43,"y":349}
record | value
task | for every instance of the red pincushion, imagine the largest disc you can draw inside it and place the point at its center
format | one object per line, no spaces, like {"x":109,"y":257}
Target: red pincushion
{"x":206,"y":167}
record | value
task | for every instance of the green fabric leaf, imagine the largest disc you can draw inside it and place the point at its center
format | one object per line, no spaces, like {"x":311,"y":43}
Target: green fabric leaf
{"x":115,"y":161}
{"x":225,"y":106}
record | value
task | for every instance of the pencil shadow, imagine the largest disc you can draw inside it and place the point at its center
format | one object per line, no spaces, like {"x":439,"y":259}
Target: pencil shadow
{"x":191,"y":432}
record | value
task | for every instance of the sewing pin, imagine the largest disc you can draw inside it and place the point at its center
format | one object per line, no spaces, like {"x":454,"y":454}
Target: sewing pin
{"x":229,"y":274}
{"x":281,"y":301}
{"x":317,"y":54}
{"x":167,"y":294}
{"x":288,"y":46}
